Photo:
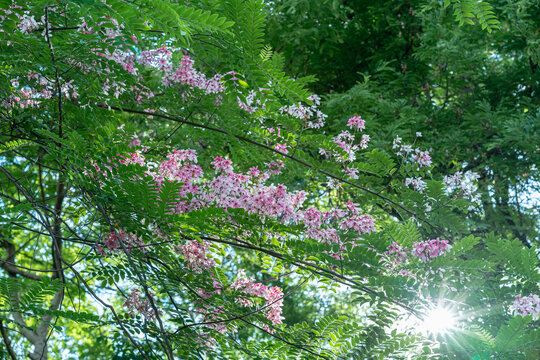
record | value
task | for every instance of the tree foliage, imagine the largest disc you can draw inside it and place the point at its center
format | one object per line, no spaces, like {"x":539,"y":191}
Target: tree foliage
{"x":170,"y":191}
{"x":407,"y":67}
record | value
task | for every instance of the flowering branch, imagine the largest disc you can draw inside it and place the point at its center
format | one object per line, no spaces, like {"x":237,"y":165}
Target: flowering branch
{"x":266,"y":147}
{"x":251,"y":312}
{"x":310,"y":266}
{"x":179,"y":279}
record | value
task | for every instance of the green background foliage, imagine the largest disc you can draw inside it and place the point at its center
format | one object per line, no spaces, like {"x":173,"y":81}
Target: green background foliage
{"x":463,"y":73}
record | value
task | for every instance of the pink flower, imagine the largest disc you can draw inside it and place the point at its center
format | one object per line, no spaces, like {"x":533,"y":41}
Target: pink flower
{"x":422,"y":158}
{"x":463,"y":185}
{"x":524,"y":306}
{"x":345,"y":141}
{"x":186,"y":74}
{"x":430,"y":249}
{"x":222,"y":164}
{"x":251,"y":105}
{"x":114,"y":240}
{"x":27,"y":24}
{"x":274,"y":167}
{"x":364,"y":142}
{"x":362,"y":224}
{"x":254,"y":172}
{"x":132,"y":158}
{"x":228,"y":189}
{"x":417,"y":183}
{"x":310,"y":115}
{"x":351,"y":172}
{"x":196,"y":256}
{"x":272,"y":295}
{"x":397,"y":253}
{"x":281,"y":148}
{"x":136,"y":304}
{"x":316,"y":99}
{"x":356,"y":123}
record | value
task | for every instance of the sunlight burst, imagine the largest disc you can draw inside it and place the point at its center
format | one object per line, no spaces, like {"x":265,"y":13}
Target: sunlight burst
{"x":438,"y":320}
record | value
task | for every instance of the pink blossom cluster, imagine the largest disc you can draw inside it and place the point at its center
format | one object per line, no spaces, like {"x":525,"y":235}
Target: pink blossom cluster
{"x":311,"y":116}
{"x":31,"y":97}
{"x":27,"y":24}
{"x":197,"y":256}
{"x":351,"y":219}
{"x":351,"y":172}
{"x":247,"y":293}
{"x":222,"y":164}
{"x":430,"y":249}
{"x":212,"y":316}
{"x":417,"y":184}
{"x":397,"y":253}
{"x":274,"y":167}
{"x":364,"y":141}
{"x":25,"y":98}
{"x":238,"y":191}
{"x":356,"y":123}
{"x":37,"y":89}
{"x":228,"y":189}
{"x":141,"y":92}
{"x":345,"y":142}
{"x":346,"y":148}
{"x":463,"y":184}
{"x":251,"y":104}
{"x":160,"y":58}
{"x":248,"y":191}
{"x":421,"y":158}
{"x":117,"y":88}
{"x":281,"y":148}
{"x":180,"y":166}
{"x":136,"y":304}
{"x":124,"y":58}
{"x":272,"y":294}
{"x":114,"y":240}
{"x":347,"y":220}
{"x":186,"y":74}
{"x":525,"y":305}
{"x":132,"y":158}
{"x":422,"y":250}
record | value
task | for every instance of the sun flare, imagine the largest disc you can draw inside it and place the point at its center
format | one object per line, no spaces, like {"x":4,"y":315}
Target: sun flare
{"x":439,"y":320}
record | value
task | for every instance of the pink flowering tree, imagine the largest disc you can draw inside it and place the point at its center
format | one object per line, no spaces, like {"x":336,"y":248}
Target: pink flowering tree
{"x":166,"y":184}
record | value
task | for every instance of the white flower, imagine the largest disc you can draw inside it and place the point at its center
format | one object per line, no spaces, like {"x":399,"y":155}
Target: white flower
{"x":27,"y":24}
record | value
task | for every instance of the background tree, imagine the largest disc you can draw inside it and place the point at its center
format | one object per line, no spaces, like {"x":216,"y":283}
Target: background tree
{"x":407,"y":67}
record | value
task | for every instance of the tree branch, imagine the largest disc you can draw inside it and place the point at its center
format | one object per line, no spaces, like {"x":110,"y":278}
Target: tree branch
{"x":8,"y":263}
{"x":7,"y":342}
{"x":266,"y":147}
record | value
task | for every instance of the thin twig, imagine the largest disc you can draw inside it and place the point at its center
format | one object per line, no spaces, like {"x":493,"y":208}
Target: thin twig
{"x":58,"y":86}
